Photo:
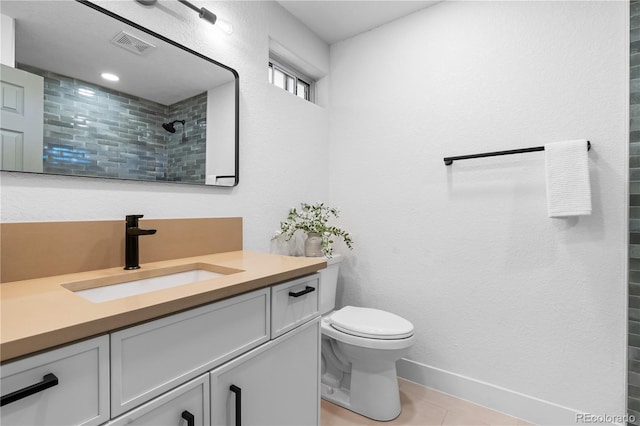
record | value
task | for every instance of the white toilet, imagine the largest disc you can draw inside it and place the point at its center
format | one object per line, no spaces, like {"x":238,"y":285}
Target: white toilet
{"x":360,"y":347}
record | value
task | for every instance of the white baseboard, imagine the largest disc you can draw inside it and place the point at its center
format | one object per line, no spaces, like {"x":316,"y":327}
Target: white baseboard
{"x":513,"y":403}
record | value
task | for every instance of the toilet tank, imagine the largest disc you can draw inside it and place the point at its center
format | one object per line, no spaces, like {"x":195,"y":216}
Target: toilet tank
{"x":329,"y":283}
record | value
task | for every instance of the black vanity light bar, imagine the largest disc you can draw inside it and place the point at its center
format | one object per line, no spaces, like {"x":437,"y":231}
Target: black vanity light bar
{"x":449,"y":160}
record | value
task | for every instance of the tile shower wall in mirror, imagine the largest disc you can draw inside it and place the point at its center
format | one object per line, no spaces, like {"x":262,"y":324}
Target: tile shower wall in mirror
{"x":186,"y":148}
{"x":93,"y":130}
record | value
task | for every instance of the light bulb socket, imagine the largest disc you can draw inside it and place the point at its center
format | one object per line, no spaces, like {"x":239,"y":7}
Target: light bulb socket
{"x":208,"y":15}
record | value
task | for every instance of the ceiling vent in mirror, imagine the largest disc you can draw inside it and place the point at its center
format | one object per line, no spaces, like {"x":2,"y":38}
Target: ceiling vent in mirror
{"x":132,"y":43}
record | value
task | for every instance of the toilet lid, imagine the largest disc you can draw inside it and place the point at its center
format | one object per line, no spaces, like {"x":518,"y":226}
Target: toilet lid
{"x":371,"y":323}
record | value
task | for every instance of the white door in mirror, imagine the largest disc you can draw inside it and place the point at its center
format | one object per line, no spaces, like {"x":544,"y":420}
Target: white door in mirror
{"x":22,"y":120}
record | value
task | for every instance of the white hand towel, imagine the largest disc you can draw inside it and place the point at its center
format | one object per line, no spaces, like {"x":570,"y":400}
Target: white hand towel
{"x":568,"y":185}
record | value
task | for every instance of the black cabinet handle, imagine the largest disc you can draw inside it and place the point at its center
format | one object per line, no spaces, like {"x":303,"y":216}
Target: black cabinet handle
{"x":235,"y":389}
{"x":190,"y":418}
{"x":306,"y":290}
{"x":49,"y":380}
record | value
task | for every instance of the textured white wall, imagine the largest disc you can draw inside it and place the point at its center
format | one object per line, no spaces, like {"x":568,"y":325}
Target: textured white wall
{"x":283,"y":139}
{"x":498,"y":292}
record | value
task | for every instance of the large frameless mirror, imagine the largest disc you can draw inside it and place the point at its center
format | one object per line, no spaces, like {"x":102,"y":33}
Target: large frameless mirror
{"x":93,"y":94}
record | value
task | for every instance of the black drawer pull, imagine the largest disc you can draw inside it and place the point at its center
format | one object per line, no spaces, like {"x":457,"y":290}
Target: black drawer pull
{"x":49,"y":380}
{"x":306,"y":290}
{"x":235,"y":389}
{"x":190,"y":418}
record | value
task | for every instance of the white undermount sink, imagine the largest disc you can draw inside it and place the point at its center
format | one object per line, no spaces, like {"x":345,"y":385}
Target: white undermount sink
{"x":140,"y":282}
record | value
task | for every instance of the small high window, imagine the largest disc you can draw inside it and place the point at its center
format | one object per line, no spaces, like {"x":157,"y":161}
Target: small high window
{"x":290,"y":80}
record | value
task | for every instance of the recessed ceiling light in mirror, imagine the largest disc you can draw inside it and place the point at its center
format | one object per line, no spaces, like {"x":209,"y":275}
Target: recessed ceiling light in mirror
{"x":109,"y":76}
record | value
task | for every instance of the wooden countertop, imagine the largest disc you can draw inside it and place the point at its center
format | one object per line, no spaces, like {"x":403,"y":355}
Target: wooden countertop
{"x":41,"y":313}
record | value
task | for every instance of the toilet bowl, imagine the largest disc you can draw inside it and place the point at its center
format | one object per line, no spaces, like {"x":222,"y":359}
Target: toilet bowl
{"x":360,"y":347}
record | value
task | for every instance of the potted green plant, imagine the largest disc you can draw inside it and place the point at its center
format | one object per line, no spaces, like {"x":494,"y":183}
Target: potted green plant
{"x":313,"y":219}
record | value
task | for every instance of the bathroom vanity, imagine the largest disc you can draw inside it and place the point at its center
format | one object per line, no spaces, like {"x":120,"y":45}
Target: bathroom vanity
{"x":238,"y":349}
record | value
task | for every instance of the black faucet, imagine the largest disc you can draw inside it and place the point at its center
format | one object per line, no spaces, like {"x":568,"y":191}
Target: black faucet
{"x":132,"y":232}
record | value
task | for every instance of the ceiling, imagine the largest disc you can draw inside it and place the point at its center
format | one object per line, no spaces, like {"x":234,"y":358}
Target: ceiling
{"x":330,"y":19}
{"x":334,"y":20}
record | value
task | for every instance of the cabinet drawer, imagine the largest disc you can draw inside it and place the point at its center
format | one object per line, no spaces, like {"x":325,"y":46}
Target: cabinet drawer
{"x":80,"y":397}
{"x":293,"y":303}
{"x":149,"y":359}
{"x":173,"y":408}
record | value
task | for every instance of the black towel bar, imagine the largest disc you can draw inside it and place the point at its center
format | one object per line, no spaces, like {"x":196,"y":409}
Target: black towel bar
{"x":449,"y":160}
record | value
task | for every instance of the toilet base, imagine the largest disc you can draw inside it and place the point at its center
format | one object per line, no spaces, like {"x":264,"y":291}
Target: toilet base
{"x":383,"y":407}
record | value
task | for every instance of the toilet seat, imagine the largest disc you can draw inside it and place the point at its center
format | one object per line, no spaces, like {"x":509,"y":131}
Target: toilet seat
{"x":380,"y":344}
{"x":371,"y":323}
{"x":330,"y":330}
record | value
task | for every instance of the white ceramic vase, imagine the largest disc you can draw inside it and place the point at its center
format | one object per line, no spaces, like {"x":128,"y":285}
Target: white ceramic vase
{"x":313,"y":245}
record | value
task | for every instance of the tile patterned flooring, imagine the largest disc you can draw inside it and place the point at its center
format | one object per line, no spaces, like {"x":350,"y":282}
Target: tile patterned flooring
{"x":424,"y":407}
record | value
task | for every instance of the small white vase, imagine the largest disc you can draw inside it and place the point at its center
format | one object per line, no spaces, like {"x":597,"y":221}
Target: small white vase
{"x":313,"y":245}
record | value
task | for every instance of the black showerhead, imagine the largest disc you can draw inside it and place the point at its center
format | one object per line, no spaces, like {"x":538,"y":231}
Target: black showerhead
{"x":169,"y":126}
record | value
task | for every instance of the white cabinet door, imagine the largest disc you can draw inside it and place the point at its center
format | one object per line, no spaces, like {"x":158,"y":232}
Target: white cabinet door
{"x":275,"y":384}
{"x":187,"y":405}
{"x":71,"y":384}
